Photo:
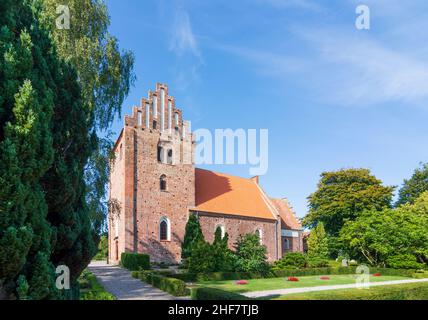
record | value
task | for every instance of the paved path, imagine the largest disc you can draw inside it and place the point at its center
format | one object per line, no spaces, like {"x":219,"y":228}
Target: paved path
{"x":123,"y":286}
{"x":265,"y":293}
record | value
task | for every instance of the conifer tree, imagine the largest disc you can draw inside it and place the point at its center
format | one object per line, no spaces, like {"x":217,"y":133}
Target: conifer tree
{"x":44,"y":147}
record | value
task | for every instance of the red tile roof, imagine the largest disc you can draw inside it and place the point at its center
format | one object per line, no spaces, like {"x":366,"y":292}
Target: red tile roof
{"x":232,"y":195}
{"x":286,"y":213}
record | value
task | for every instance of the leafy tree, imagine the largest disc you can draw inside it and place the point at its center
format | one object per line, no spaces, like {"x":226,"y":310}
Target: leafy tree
{"x":223,"y":256}
{"x":192,"y":236}
{"x":45,"y":143}
{"x":391,"y":237}
{"x":251,"y":254}
{"x":318,"y":242}
{"x":202,"y":258}
{"x":343,"y":195}
{"x":414,"y":187}
{"x":105,"y":74}
{"x":102,"y":253}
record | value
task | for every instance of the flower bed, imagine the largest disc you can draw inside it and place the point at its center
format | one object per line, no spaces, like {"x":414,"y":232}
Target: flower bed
{"x":325,"y":278}
{"x":241,"y":282}
{"x":292,"y":279}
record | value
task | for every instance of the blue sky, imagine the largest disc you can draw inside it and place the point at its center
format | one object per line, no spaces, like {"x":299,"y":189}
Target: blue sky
{"x":331,"y":96}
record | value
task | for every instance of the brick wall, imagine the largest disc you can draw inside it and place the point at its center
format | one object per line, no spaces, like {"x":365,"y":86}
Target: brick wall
{"x":236,"y":226}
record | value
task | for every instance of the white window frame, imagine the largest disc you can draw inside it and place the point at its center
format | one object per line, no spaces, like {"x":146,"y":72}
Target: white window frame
{"x":222,"y":228}
{"x":168,"y":228}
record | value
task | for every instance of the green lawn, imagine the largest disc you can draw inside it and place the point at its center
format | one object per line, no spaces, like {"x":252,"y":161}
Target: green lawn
{"x":282,"y":283}
{"x":408,"y":291}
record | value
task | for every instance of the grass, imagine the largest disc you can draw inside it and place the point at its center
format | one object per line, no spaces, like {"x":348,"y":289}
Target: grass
{"x":90,"y":289}
{"x":282,"y":283}
{"x":409,"y":291}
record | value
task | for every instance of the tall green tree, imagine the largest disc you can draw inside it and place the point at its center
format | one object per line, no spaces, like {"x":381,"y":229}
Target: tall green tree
{"x":105,"y":74}
{"x":392,"y":237}
{"x":192,"y":236}
{"x":343,"y":195}
{"x":251,"y":254}
{"x":414,"y":187}
{"x":44,"y":145}
{"x":318,"y":242}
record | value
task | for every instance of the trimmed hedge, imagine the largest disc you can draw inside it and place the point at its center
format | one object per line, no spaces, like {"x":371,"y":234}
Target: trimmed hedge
{"x":215,"y":294}
{"x":220,"y":276}
{"x":135,"y":261}
{"x":173,"y":286}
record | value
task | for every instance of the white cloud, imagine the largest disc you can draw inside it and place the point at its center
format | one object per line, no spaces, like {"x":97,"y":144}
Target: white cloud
{"x":182,"y":39}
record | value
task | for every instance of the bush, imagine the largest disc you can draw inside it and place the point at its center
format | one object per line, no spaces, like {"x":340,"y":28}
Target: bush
{"x":173,"y":286}
{"x":403,"y":261}
{"x":215,"y":294}
{"x":90,"y":289}
{"x":135,"y":261}
{"x":251,"y":255}
{"x":317,"y":263}
{"x":290,"y":261}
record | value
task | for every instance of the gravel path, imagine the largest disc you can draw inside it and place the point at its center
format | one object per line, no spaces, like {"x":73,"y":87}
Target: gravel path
{"x":123,"y":286}
{"x":265,"y":293}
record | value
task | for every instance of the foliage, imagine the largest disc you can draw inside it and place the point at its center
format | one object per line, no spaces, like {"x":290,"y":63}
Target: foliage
{"x":202,"y":258}
{"x":192,"y":236}
{"x":44,"y":146}
{"x":414,"y":187}
{"x":171,"y":285}
{"x":317,"y":262}
{"x":90,"y":289}
{"x":105,"y":76}
{"x":204,"y":293}
{"x":135,"y":261}
{"x":250,"y":254}
{"x":291,"y":260}
{"x":102,"y":253}
{"x":343,"y":195}
{"x":318,"y":242}
{"x":388,"y":237}
{"x":224,"y":258}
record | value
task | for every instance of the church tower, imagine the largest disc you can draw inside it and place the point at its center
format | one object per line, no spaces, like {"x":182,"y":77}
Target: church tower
{"x":152,"y":181}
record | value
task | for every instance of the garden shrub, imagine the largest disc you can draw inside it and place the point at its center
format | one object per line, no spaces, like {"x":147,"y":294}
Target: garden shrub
{"x":173,"y":286}
{"x":317,"y":262}
{"x":291,"y":260}
{"x":251,"y":255}
{"x":403,"y":261}
{"x":215,"y":294}
{"x":135,"y":261}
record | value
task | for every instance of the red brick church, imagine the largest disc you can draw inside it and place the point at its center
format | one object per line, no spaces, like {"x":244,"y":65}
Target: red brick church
{"x":157,"y":187}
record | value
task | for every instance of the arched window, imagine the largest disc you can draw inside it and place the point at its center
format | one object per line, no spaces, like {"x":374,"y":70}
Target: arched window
{"x":164,"y":229}
{"x":170,"y":156}
{"x":222,"y":229}
{"x":163,"y":182}
{"x":260,"y":235}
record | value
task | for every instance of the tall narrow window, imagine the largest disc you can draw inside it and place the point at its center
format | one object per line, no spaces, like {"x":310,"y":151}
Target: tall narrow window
{"x":170,"y":156}
{"x":120,"y":152}
{"x":169,"y":114}
{"x":162,"y":181}
{"x":176,"y":119}
{"x":160,"y":154}
{"x":162,"y":110}
{"x":287,"y":244}
{"x":164,"y":229}
{"x":147,"y":115}
{"x":155,"y":106}
{"x":259,"y":234}
{"x":140,"y":118}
